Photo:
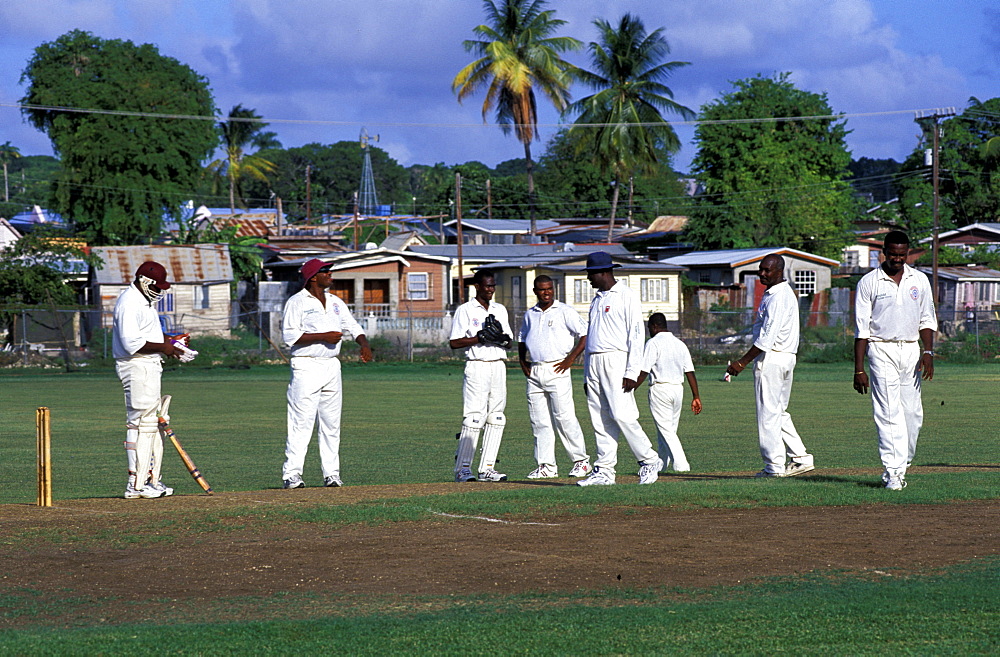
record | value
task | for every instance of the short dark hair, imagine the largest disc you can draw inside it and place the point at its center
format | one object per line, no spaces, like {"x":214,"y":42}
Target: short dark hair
{"x":895,"y":237}
{"x":477,"y":278}
{"x":778,"y":258}
{"x":658,"y":319}
{"x":544,"y":278}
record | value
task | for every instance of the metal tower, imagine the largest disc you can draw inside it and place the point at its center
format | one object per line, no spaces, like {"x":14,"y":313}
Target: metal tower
{"x":367,"y":198}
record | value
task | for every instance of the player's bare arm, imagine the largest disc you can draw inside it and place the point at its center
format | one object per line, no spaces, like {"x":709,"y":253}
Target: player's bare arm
{"x":522,"y":358}
{"x":696,"y":401}
{"x":166,"y":348}
{"x":926,"y":362}
{"x":567,"y":362}
{"x":739,"y":365}
{"x":860,"y":376}
{"x":366,"y":350}
{"x":330,"y":337}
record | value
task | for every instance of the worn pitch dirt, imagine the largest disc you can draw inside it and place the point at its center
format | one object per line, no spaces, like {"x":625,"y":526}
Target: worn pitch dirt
{"x":649,"y":547}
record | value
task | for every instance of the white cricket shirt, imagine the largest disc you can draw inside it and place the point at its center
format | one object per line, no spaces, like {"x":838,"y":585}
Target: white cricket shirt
{"x":884,"y":311}
{"x":552,"y":333}
{"x":468,"y":321}
{"x":616,"y":325}
{"x":136,"y":322}
{"x":776,"y":327}
{"x":666,"y":359}
{"x":304,"y":313}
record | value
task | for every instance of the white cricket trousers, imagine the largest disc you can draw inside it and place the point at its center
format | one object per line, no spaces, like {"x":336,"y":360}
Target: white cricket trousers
{"x":665,"y":403}
{"x":899,"y":411}
{"x":551,"y":410}
{"x":772,"y":378}
{"x":613,"y":412}
{"x":314,"y":392}
{"x":140,"y":379}
{"x":484,"y":389}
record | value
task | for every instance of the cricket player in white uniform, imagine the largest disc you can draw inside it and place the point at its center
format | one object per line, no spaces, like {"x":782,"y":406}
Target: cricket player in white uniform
{"x":611,"y":372}
{"x":312,"y":326}
{"x":895,"y":324}
{"x":138,"y":346}
{"x":667,"y":362}
{"x":775,"y":344}
{"x":552,"y":336}
{"x":484,"y":389}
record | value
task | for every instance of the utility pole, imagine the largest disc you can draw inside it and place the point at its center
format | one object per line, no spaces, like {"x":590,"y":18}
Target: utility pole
{"x":930,"y":122}
{"x":355,"y":221}
{"x":308,"y":194}
{"x":458,"y":229}
{"x":489,"y":199}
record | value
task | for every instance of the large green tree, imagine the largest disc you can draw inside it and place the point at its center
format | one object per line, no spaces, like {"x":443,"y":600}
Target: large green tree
{"x":969,"y":173}
{"x":517,"y":54}
{"x":333,"y":172}
{"x":773,"y":162}
{"x":243,"y":129}
{"x":117,"y":113}
{"x":624,"y":114}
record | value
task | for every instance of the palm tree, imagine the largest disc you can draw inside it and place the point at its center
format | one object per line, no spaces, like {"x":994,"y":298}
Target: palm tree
{"x":625,"y":112}
{"x":8,"y":154}
{"x":517,"y":54}
{"x":242,"y":129}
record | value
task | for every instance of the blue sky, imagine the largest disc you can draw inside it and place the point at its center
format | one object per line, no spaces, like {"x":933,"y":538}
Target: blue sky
{"x":331,"y":67}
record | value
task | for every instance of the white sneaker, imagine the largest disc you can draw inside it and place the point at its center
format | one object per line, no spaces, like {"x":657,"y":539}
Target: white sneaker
{"x":793,"y":469}
{"x":580,"y":469}
{"x":764,"y":474}
{"x":332,"y":481}
{"x":492,"y":475}
{"x":895,"y":483}
{"x":544,"y":472}
{"x":147,"y":493}
{"x":464,"y":474}
{"x":295,"y":481}
{"x":163,"y":488}
{"x":649,"y":472}
{"x":598,"y":478}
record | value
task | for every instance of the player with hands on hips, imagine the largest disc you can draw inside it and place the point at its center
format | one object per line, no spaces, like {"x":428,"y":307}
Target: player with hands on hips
{"x":313,"y":326}
{"x":481,"y":327}
{"x":895,"y":324}
{"x":138,"y":346}
{"x":667,"y":362}
{"x":554,"y":335}
{"x":611,"y":372}
{"x":775,"y":344}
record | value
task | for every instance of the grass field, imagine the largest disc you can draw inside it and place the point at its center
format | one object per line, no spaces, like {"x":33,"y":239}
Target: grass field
{"x":399,"y":426}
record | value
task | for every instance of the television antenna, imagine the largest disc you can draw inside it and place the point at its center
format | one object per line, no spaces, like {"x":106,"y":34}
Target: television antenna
{"x":367,"y":198}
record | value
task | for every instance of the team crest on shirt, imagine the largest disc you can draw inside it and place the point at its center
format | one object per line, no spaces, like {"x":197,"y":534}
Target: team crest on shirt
{"x":607,"y":309}
{"x":475,"y":321}
{"x":914,"y":293}
{"x":336,"y":309}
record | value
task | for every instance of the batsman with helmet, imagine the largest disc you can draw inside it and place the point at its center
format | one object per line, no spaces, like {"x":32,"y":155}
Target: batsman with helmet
{"x":138,"y":347}
{"x":482,"y":328}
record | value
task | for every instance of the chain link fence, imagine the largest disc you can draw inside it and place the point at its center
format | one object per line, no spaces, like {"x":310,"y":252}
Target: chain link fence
{"x":252,"y":333}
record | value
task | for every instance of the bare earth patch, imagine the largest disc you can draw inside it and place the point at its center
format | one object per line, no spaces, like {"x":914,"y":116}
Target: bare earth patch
{"x":649,"y":547}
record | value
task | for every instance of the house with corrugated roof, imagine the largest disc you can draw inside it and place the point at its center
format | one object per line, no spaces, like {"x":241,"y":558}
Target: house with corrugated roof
{"x":658,"y":284}
{"x":966,"y":289}
{"x":198,"y":301}
{"x":735,"y":271}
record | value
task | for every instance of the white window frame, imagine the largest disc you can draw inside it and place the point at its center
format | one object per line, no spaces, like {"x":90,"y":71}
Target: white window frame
{"x":654,"y":290}
{"x":804,"y":281}
{"x":415,"y":291}
{"x":582,"y":291}
{"x":202,"y":297}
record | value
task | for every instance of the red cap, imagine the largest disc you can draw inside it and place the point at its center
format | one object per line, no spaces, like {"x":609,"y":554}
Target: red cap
{"x":155,"y":271}
{"x":312,"y":268}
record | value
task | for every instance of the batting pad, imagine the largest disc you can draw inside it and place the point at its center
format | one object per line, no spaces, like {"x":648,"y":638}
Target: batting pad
{"x":467,"y":441}
{"x":491,"y":441}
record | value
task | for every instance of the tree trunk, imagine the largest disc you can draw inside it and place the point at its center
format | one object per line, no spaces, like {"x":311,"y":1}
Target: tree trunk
{"x":6,"y":196}
{"x":530,"y":166}
{"x":232,"y":193}
{"x":614,"y":209}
